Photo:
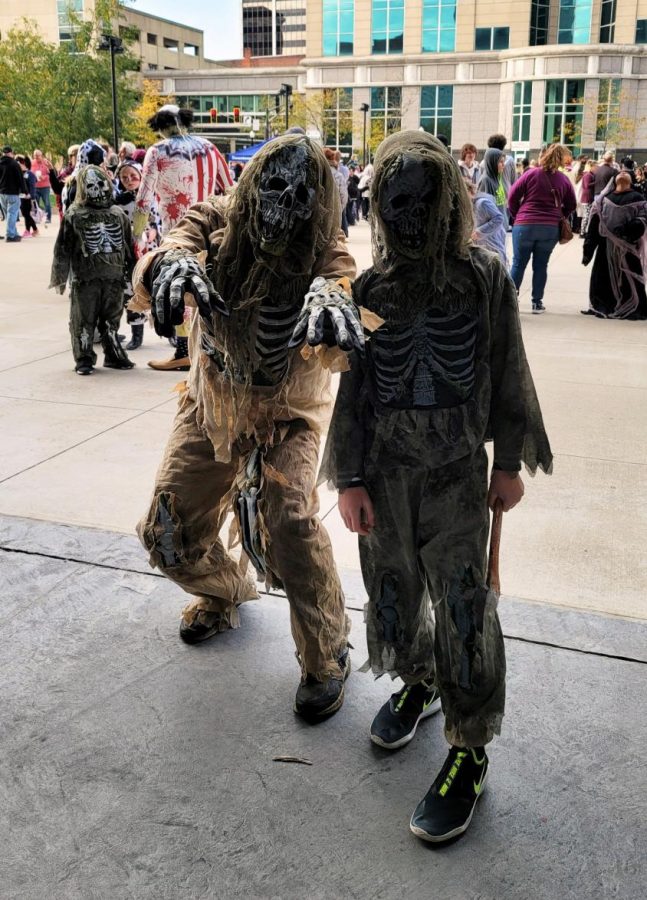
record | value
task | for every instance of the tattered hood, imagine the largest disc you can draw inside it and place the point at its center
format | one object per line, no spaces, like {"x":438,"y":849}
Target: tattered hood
{"x":448,"y":212}
{"x":243,"y":223}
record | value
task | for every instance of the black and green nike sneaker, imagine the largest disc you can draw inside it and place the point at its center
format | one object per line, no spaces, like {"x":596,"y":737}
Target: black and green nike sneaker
{"x":448,"y":806}
{"x":396,"y":723}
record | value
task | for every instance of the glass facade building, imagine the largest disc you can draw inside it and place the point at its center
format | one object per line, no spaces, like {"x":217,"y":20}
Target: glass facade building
{"x":563,"y":112}
{"x":338,"y":27}
{"x":521,"y":110}
{"x":387,"y":26}
{"x":438,"y":26}
{"x":274,"y":28}
{"x":574,"y":22}
{"x":436,"y":107}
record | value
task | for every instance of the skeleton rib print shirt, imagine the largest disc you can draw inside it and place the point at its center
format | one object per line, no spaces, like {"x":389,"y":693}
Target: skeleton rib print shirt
{"x":93,"y":243}
{"x":444,"y":372}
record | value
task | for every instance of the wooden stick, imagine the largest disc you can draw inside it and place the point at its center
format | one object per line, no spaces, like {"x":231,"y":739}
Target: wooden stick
{"x":495,"y":542}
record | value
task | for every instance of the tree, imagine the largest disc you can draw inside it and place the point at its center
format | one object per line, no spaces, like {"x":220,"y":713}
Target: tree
{"x":52,"y":96}
{"x":136,"y":129}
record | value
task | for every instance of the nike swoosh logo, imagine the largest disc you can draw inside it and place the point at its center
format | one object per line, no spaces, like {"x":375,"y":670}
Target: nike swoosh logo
{"x":428,"y":703}
{"x":478,"y":786}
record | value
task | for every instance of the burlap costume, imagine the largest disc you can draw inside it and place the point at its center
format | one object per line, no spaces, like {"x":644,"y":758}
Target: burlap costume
{"x":229,"y":409}
{"x":443,"y":373}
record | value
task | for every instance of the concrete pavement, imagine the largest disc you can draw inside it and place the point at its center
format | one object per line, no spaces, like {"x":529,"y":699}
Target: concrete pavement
{"x":132,"y":766}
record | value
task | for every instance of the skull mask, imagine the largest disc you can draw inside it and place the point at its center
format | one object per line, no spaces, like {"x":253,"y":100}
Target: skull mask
{"x":96,"y":188}
{"x":286,"y":200}
{"x":405,"y":206}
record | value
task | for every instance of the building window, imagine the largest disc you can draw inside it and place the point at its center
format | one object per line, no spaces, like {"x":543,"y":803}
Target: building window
{"x":641,"y":31}
{"x":171,"y":44}
{"x":609,"y":95}
{"x":338,"y":26}
{"x":539,"y":11}
{"x":607,"y":21}
{"x":563,"y":113}
{"x":436,"y":104}
{"x":574,"y":22}
{"x":438,"y":26}
{"x":191,"y":49}
{"x":70,"y":13}
{"x":492,"y":38}
{"x":388,"y":26}
{"x":338,"y":119}
{"x":521,"y":106}
{"x":151,"y":39}
{"x":386,"y":111}
{"x":274,"y":27}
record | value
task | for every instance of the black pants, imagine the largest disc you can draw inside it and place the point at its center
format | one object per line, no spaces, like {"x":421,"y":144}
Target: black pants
{"x":25,"y":209}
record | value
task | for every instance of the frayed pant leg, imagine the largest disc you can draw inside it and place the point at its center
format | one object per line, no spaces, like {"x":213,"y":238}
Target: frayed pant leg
{"x":399,"y":619}
{"x":468,"y":650}
{"x":299,"y":552}
{"x":187,"y":512}
{"x":85,"y":301}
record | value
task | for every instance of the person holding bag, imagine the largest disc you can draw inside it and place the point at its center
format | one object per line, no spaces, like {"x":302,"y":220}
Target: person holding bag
{"x":540,"y":202}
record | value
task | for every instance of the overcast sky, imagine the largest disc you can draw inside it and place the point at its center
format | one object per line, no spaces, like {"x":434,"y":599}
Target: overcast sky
{"x":219,"y":19}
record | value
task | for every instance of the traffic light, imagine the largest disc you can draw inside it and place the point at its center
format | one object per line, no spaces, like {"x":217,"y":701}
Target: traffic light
{"x":236,"y":112}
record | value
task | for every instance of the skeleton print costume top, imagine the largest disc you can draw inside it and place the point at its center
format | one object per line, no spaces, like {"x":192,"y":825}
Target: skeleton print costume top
{"x":94,"y":240}
{"x":178,"y":172}
{"x":247,"y":381}
{"x":447,"y":367}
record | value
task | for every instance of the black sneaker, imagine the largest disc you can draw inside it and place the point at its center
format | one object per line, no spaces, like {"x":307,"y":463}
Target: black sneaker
{"x":317,"y":699}
{"x":84,"y":370}
{"x":395,"y":724}
{"x":447,"y":808}
{"x":538,"y":307}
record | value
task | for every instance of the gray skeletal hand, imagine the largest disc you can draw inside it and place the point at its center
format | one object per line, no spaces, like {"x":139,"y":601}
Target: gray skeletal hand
{"x":180,"y":275}
{"x":328,"y":316}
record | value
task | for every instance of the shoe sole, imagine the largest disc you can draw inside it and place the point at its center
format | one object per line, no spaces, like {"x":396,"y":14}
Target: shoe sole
{"x":441,"y":838}
{"x":329,"y":710}
{"x":189,"y":638}
{"x":403,"y":741}
{"x":538,"y":312}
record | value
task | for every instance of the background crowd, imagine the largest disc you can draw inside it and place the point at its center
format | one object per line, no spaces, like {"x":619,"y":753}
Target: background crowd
{"x":542,"y":202}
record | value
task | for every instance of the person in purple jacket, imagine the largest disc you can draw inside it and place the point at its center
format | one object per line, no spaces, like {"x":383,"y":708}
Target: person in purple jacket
{"x":537,"y":201}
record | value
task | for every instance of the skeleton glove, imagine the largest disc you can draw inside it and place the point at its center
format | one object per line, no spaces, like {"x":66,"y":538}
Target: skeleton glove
{"x":329,"y":316}
{"x":179,"y":275}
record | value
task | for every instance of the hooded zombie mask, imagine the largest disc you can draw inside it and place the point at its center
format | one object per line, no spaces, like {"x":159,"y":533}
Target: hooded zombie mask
{"x":286,"y":198}
{"x":95,"y":188}
{"x":420,"y":209}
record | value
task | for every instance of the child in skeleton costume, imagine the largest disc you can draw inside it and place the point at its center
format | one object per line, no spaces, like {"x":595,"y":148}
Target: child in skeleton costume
{"x":443,"y":371}
{"x":129,"y":176}
{"x":248,"y":427}
{"x":180,"y":170}
{"x":93,"y":245}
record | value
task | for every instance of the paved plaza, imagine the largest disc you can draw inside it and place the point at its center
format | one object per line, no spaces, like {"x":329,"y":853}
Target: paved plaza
{"x":134,"y":766}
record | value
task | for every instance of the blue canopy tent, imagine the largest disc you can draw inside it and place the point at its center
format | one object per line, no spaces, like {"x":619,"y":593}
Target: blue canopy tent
{"x":246,"y":154}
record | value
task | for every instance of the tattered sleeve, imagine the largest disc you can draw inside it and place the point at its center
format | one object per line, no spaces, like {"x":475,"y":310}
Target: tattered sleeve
{"x":343,"y":460}
{"x":62,"y":254}
{"x":516,"y":423}
{"x":146,"y":194}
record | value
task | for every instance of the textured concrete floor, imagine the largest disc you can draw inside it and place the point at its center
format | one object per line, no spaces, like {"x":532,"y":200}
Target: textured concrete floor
{"x":133,"y":766}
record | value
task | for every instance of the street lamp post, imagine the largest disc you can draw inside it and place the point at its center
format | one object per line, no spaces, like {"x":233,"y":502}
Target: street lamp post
{"x":113,"y":44}
{"x":364,"y":108}
{"x":286,"y":90}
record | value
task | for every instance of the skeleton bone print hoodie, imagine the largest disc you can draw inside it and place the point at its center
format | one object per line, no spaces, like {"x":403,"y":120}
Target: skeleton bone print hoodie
{"x":94,"y":240}
{"x":446,"y":370}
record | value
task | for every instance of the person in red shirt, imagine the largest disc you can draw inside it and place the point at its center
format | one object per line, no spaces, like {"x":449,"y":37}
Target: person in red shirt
{"x":41,"y":168}
{"x":588,"y":195}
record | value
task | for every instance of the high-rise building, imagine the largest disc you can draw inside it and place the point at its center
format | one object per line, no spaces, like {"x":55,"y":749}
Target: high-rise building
{"x":538,"y":71}
{"x":274,"y":27}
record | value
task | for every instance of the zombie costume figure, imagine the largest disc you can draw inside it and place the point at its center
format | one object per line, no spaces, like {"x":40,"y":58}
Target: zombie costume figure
{"x":180,"y":170}
{"x":443,"y":371}
{"x":89,"y":154}
{"x":248,"y":427}
{"x":93,"y":246}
